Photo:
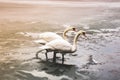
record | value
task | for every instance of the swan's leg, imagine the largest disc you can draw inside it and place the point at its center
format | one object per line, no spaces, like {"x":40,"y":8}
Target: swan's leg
{"x":37,"y":53}
{"x":54,"y":57}
{"x":46,"y":55}
{"x":63,"y":58}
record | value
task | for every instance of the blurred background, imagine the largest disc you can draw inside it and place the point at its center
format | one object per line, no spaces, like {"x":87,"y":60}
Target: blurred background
{"x":99,"y":18}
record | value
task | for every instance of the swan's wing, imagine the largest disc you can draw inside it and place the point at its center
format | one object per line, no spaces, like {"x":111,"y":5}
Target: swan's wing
{"x":41,"y":41}
{"x":44,"y":47}
{"x":60,"y":45}
{"x":49,"y":36}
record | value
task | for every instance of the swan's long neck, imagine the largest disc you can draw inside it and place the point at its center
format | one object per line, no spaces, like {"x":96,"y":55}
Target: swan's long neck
{"x":74,"y":46}
{"x":64,"y":33}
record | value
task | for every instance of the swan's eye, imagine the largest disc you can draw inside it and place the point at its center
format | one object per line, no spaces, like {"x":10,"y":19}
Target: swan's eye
{"x":74,"y":29}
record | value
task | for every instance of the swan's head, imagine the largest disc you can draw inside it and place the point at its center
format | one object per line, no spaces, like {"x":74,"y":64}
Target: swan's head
{"x":84,"y":34}
{"x":81,"y":32}
{"x":71,"y":28}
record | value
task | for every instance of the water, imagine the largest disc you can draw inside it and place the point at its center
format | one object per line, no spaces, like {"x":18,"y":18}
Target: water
{"x":101,"y":23}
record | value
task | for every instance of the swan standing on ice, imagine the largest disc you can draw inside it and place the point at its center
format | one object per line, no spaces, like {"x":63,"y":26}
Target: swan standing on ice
{"x":61,"y":46}
{"x":49,"y":36}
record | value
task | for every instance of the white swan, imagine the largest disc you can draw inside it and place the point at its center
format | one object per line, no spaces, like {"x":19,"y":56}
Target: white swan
{"x":49,"y":36}
{"x":61,"y":46}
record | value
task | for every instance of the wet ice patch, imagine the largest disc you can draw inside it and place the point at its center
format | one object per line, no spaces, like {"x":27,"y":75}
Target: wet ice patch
{"x":86,"y":27}
{"x":115,"y":21}
{"x":100,"y":35}
{"x":101,"y":40}
{"x":118,"y":28}
{"x":43,"y":75}
{"x":94,"y":31}
{"x":109,"y":30}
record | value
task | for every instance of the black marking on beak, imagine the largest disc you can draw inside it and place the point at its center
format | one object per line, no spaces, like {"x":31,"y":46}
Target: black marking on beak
{"x":74,"y":29}
{"x":84,"y":34}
